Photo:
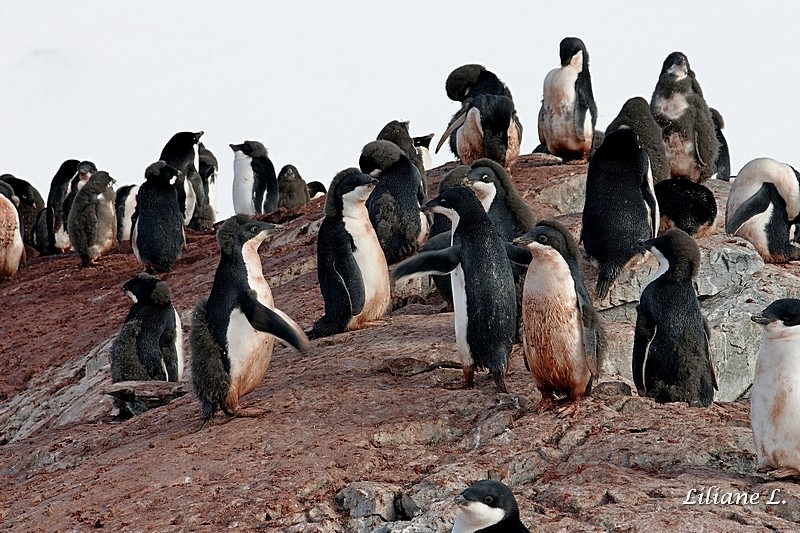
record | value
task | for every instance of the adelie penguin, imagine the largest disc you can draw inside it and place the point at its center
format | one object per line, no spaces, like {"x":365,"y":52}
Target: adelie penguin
{"x":209,"y":168}
{"x":125,"y":206}
{"x":85,"y":171}
{"x":316,"y":190}
{"x":394,"y":206}
{"x":30,"y":203}
{"x":671,"y":348}
{"x":485,"y":305}
{"x":292,"y":190}
{"x":255,"y":186}
{"x":92,"y":223}
{"x":57,"y":236}
{"x":686,"y":205}
{"x":562,"y":332}
{"x":775,"y":398}
{"x":12,"y":249}
{"x":763,"y":204}
{"x":723,"y":164}
{"x":352,"y":270}
{"x":635,"y":114}
{"x":488,"y":506}
{"x":157,"y":236}
{"x":620,"y":208}
{"x":568,"y":114}
{"x":183,"y":154}
{"x":234,"y":329}
{"x":423,"y":146}
{"x":398,"y":133}
{"x":687,"y":128}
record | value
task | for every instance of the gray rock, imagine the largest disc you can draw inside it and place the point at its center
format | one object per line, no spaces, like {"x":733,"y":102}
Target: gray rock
{"x":368,"y":499}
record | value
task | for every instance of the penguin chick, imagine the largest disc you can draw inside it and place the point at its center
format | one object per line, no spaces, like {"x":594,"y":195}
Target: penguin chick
{"x":398,"y":133}
{"x":562,"y":330}
{"x":92,"y":223}
{"x":723,"y":163}
{"x":775,"y":399}
{"x":150,"y":344}
{"x":687,"y":128}
{"x":12,"y":249}
{"x":84,"y":172}
{"x":488,"y":506}
{"x":671,"y":349}
{"x":686,"y":205}
{"x":292,"y":190}
{"x":393,"y":206}
{"x":352,"y":270}
{"x":568,"y":114}
{"x":232,"y":330}
{"x":203,"y":217}
{"x":255,"y":186}
{"x":180,"y":152}
{"x":635,"y":114}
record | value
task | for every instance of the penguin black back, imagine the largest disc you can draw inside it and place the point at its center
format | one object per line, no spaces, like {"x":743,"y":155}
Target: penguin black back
{"x":723,"y":162}
{"x":567,"y":48}
{"x":473,"y":80}
{"x":59,"y":188}
{"x":635,"y":114}
{"x":30,"y":203}
{"x":686,"y":205}
{"x":398,"y":133}
{"x":158,"y":236}
{"x":181,"y":152}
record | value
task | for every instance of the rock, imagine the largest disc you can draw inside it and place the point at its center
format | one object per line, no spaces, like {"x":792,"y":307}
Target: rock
{"x":368,"y":499}
{"x":136,"y":397}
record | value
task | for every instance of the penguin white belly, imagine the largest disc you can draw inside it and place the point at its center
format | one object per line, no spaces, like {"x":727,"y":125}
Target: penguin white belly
{"x":106,"y":225}
{"x":681,"y":155}
{"x":243,"y":181}
{"x":62,"y":239}
{"x":476,"y":516}
{"x":775,"y":403}
{"x":425,"y":155}
{"x":179,"y":343}
{"x":469,"y":138}
{"x":672,"y":107}
{"x":212,"y":192}
{"x":191,"y":201}
{"x":460,"y":314}
{"x":424,"y":227}
{"x":758,"y":171}
{"x":372,"y":263}
{"x":11,"y":245}
{"x":558,"y":103}
{"x":127,"y":212}
{"x":755,"y":231}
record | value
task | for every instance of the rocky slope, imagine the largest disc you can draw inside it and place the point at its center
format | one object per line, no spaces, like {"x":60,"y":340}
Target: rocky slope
{"x":359,"y":433}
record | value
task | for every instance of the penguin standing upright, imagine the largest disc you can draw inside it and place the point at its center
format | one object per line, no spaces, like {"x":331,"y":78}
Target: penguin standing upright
{"x":620,"y":208}
{"x":483,"y":284}
{"x":92,"y":223}
{"x":232,"y":330}
{"x":635,"y":114}
{"x":723,"y":163}
{"x":30,"y":203}
{"x":57,"y":236}
{"x":568,"y":114}
{"x":398,"y":133}
{"x":292,"y":190}
{"x":562,"y":339}
{"x":125,"y":206}
{"x":393,"y":206}
{"x":423,"y":146}
{"x":157,"y":236}
{"x":510,"y":215}
{"x":12,"y":249}
{"x":775,"y":398}
{"x":488,"y":506}
{"x":671,"y":349}
{"x":182,"y":153}
{"x":255,"y":186}
{"x":85,"y":171}
{"x":150,"y":344}
{"x":352,"y":271}
{"x":687,"y":128}
{"x":208,"y":169}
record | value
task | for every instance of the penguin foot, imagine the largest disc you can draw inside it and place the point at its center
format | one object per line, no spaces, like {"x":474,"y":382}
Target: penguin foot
{"x":572,"y":409}
{"x":467,"y":379}
{"x":250,"y":412}
{"x":546,"y":404}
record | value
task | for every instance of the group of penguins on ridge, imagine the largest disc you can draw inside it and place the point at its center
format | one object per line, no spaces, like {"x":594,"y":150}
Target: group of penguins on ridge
{"x":505,"y":275}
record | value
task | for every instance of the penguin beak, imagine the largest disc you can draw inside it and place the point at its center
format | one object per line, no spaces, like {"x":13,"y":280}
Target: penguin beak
{"x":457,"y":123}
{"x":760,"y":319}
{"x":460,"y":500}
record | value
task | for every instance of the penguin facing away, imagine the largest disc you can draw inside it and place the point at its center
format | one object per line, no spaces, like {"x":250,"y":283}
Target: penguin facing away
{"x":352,"y":270}
{"x":775,"y":398}
{"x":30,"y":203}
{"x":234,"y":329}
{"x":485,"y":304}
{"x":398,"y":133}
{"x":723,"y":163}
{"x":292,"y":190}
{"x":12,"y":249}
{"x":125,"y":205}
{"x":671,"y":348}
{"x":635,"y":114}
{"x":208,"y":170}
{"x":686,"y":205}
{"x":150,"y":344}
{"x":568,"y":113}
{"x":92,"y":223}
{"x":488,"y":506}
{"x":255,"y":185}
{"x":57,"y":237}
{"x":182,"y":153}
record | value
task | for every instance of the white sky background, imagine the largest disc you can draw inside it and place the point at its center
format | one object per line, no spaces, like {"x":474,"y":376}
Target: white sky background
{"x":111,"y":82}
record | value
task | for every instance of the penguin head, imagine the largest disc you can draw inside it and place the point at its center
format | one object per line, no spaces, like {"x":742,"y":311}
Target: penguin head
{"x":181,"y":149}
{"x":289,"y":173}
{"x":424,"y":141}
{"x":161,"y":173}
{"x":147,"y":289}
{"x":251,"y":149}
{"x":632,"y":110}
{"x":455,"y":178}
{"x":206,"y":157}
{"x":553,"y":234}
{"x":349,"y":188}
{"x":23,"y":192}
{"x":489,"y":180}
{"x":678,"y":252}
{"x":377,"y":156}
{"x":572,"y":52}
{"x":622,"y":143}
{"x":8,"y":192}
{"x":240,"y":229}
{"x":398,"y":133}
{"x":99,"y":182}
{"x":85,"y":170}
{"x":485,"y":504}
{"x":676,"y":65}
{"x":316,"y":188}
{"x":781,"y":318}
{"x":66,"y":171}
{"x":468,"y":81}
{"x":455,"y":204}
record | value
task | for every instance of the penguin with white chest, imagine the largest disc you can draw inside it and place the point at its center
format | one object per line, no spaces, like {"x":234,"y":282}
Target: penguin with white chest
{"x":488,"y":506}
{"x":352,"y":271}
{"x":568,"y":114}
{"x":484,"y":298}
{"x":182,"y":153}
{"x":255,"y":185}
{"x":57,"y":237}
{"x":12,"y":249}
{"x":775,"y":398}
{"x":125,"y":206}
{"x":92,"y":223}
{"x":671,"y":348}
{"x":234,"y":329}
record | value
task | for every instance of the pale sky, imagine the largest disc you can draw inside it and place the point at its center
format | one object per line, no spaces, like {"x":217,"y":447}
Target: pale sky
{"x":111,"y":82}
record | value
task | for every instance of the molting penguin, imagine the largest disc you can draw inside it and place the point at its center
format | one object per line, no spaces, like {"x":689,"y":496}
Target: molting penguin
{"x":485,"y":305}
{"x":352,"y":271}
{"x":686,"y":205}
{"x":57,"y":236}
{"x":316,"y":190}
{"x":157,"y":237}
{"x":255,"y":186}
{"x":764,"y":201}
{"x":620,"y":207}
{"x":92,"y":223}
{"x":292,"y":190}
{"x":209,"y":168}
{"x":723,"y":163}
{"x":687,"y":128}
{"x":562,"y":340}
{"x":775,"y":399}
{"x":150,"y":344}
{"x":671,"y":350}
{"x":125,"y":206}
{"x":568,"y":113}
{"x":203,"y":217}
{"x":423,"y":146}
{"x":635,"y":114}
{"x":85,"y":171}
{"x":232,"y":331}
{"x":182,"y":153}
{"x":12,"y":249}
{"x":488,"y":506}
{"x":398,"y":133}
{"x":30,"y":203}
{"x":393,"y":206}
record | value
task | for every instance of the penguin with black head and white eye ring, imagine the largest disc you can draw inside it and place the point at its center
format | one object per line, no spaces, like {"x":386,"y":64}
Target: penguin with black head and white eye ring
{"x":352,"y":270}
{"x":620,"y":207}
{"x":182,"y":152}
{"x":292,"y":190}
{"x":92,"y":223}
{"x":671,"y":349}
{"x":686,"y":205}
{"x":394,"y":206}
{"x":485,"y":307}
{"x":510,"y":215}
{"x":687,"y":127}
{"x":562,"y":332}
{"x":316,"y":190}
{"x":12,"y":249}
{"x":125,"y":206}
{"x":58,"y":239}
{"x":723,"y":164}
{"x":255,"y":185}
{"x":488,"y":506}
{"x":234,"y":329}
{"x":635,"y":114}
{"x":398,"y":133}
{"x":775,"y":398}
{"x":568,"y":113}
{"x":763,"y":204}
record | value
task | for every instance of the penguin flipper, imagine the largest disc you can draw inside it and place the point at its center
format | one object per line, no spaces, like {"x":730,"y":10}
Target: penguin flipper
{"x":168,"y":353}
{"x":581,"y":109}
{"x":643,"y":336}
{"x":434,"y":262}
{"x":437,"y":242}
{"x":518,"y":254}
{"x":707,"y":331}
{"x":125,"y":364}
{"x":756,"y":204}
{"x":272,"y":321}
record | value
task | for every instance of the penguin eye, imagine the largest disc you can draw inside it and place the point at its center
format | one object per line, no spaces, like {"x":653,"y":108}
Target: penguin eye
{"x":254,"y":230}
{"x":542,"y":238}
{"x":485,"y":177}
{"x":488,"y":500}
